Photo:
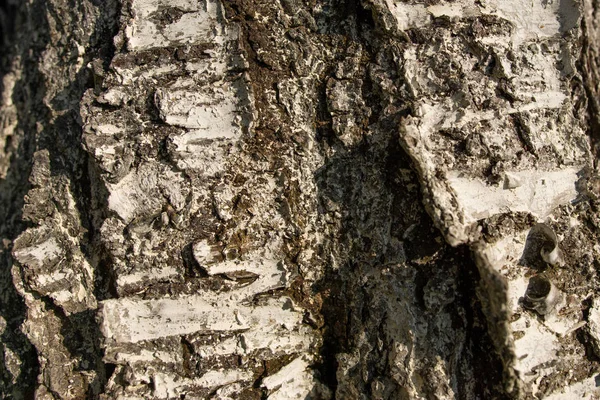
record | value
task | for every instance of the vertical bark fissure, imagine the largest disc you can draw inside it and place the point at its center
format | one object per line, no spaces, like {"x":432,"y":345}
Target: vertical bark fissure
{"x":589,"y":68}
{"x":21,"y":369}
{"x":50,"y":125}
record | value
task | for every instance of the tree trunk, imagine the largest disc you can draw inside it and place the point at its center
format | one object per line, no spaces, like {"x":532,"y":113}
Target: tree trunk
{"x":349,"y":199}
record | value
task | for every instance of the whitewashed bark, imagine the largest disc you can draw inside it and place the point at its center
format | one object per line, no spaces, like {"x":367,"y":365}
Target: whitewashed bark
{"x":237,"y":199}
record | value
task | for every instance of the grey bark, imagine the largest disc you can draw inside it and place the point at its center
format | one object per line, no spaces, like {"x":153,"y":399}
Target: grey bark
{"x":274,"y":199}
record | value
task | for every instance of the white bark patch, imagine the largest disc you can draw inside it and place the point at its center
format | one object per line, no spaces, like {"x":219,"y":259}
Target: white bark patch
{"x":538,"y":193}
{"x":418,"y":15}
{"x":8,"y":116}
{"x":584,"y":390}
{"x":210,"y":115}
{"x":146,"y":357}
{"x":147,"y":277}
{"x":531,"y":19}
{"x":38,"y":255}
{"x":129,"y":198}
{"x":261,"y":337}
{"x":537,"y":341}
{"x":594,"y":325}
{"x":168,"y":387}
{"x":132,"y":320}
{"x":49,"y":272}
{"x":293,"y":381}
{"x":197,"y":21}
{"x":132,"y":75}
{"x":143,"y":191}
{"x":271,"y":274}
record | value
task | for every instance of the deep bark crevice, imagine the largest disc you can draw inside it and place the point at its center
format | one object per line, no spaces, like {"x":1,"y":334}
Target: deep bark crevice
{"x":342,"y":180}
{"x":13,"y":188}
{"x":61,"y":136}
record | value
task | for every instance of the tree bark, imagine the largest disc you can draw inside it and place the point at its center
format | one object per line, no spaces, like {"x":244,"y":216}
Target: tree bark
{"x":349,"y":199}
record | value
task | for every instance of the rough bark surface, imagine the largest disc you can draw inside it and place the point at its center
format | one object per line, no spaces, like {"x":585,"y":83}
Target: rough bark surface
{"x":280,"y":199}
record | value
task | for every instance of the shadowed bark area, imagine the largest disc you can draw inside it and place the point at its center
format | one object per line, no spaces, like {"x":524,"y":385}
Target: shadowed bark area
{"x":42,"y":86}
{"x":590,"y":66}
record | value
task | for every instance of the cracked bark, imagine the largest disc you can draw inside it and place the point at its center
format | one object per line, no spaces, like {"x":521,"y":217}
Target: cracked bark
{"x":299,"y":199}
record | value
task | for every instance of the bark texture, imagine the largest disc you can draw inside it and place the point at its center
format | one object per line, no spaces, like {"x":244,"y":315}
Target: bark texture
{"x":350,"y":199}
